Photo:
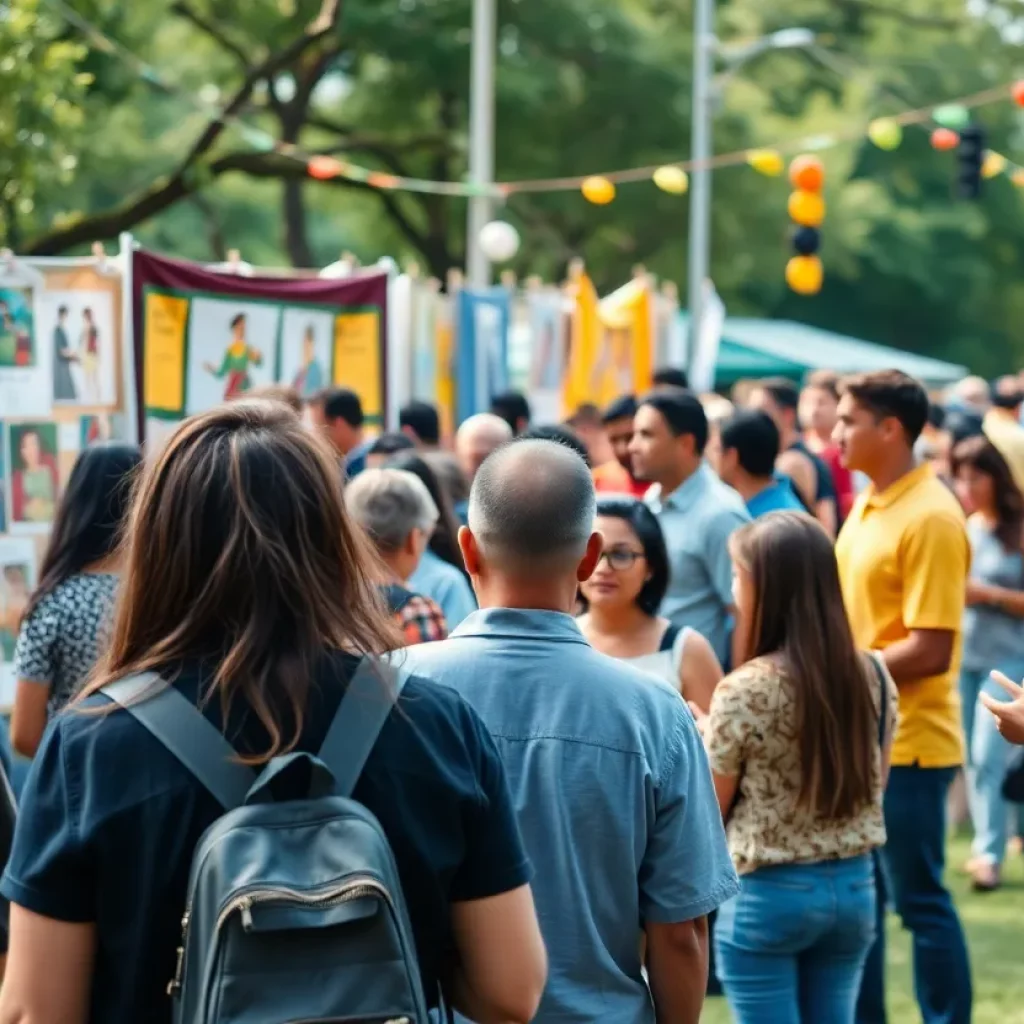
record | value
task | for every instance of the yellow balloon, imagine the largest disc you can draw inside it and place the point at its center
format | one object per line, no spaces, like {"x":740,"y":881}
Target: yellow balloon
{"x":994,"y":163}
{"x":766,"y":161}
{"x":885,"y":133}
{"x":597,"y":190}
{"x":806,"y":209}
{"x":804,"y":274}
{"x":671,"y":179}
{"x":1018,"y":177}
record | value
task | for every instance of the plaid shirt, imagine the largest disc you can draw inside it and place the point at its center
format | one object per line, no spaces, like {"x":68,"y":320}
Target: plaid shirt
{"x":421,"y":620}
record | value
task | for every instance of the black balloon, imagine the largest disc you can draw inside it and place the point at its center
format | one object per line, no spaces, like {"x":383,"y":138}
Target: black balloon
{"x":807,"y":241}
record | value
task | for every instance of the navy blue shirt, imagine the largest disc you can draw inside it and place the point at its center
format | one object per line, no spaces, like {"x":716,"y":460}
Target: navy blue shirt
{"x":110,"y":819}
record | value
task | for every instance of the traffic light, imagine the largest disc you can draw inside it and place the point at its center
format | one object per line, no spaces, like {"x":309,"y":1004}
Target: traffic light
{"x":970,"y":156}
{"x":804,"y":272}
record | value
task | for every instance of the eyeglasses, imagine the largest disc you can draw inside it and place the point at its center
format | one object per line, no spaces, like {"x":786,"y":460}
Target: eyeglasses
{"x":620,"y":559}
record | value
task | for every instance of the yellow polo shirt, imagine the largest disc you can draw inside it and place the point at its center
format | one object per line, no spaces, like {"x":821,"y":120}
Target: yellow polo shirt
{"x":903,"y":559}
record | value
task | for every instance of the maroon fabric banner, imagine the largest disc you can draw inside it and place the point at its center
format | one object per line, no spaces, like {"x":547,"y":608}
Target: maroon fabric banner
{"x":202,"y":337}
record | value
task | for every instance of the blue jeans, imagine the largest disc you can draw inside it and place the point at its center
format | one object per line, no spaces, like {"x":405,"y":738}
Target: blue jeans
{"x":791,"y":946}
{"x":987,"y":757}
{"x":913,"y":861}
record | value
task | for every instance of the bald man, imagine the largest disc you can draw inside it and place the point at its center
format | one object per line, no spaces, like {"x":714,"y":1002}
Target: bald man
{"x":477,"y":438}
{"x":609,"y":778}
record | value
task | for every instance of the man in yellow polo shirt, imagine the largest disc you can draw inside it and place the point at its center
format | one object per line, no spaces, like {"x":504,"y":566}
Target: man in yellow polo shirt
{"x":903,"y":560}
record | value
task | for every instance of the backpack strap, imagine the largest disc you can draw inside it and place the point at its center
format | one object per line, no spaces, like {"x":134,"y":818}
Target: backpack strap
{"x":186,"y":733}
{"x":397,"y":597}
{"x":371,"y":694}
{"x":669,"y":637}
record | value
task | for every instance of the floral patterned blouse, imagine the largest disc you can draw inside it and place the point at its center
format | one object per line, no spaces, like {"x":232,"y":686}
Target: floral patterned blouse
{"x":750,"y":734}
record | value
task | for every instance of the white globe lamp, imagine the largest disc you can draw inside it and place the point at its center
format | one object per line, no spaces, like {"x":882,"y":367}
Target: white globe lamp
{"x":499,"y":241}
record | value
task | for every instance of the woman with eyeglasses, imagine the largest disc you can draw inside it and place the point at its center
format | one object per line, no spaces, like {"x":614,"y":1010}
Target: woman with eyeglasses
{"x":622,"y":599}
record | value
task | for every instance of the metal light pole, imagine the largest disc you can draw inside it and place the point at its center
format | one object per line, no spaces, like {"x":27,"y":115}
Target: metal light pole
{"x":700,"y":153}
{"x":481,"y":135}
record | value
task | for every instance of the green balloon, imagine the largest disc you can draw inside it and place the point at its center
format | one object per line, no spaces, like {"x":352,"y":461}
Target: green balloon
{"x":952,"y":116}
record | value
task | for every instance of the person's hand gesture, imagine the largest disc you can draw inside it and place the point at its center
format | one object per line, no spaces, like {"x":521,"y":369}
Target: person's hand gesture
{"x":1009,"y":714}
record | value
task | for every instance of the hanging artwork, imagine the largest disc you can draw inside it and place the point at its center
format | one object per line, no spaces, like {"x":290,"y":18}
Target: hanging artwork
{"x":81,"y":331}
{"x":17,"y":579}
{"x":24,"y":366}
{"x":34,"y":475}
{"x":306,"y":346}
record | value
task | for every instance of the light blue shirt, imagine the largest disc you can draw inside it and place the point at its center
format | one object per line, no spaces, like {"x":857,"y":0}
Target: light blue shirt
{"x":698,"y":518}
{"x":992,"y":638}
{"x":777,"y":497}
{"x":613,"y":793}
{"x":437,"y":579}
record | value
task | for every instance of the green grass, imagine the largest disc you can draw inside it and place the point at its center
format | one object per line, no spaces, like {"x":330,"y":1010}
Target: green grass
{"x":995,"y":927}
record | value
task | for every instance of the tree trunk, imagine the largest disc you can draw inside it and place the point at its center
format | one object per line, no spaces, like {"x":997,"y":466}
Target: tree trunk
{"x":296,"y":239}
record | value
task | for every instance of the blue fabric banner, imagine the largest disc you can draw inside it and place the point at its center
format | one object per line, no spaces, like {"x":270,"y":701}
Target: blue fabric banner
{"x":482,"y":358}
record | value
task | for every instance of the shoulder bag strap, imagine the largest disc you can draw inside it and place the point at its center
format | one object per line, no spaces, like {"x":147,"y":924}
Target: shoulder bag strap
{"x":883,"y":700}
{"x":372,"y":692}
{"x":187,"y":733}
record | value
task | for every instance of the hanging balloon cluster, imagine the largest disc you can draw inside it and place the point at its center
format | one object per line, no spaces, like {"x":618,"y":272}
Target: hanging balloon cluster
{"x":804,"y":272}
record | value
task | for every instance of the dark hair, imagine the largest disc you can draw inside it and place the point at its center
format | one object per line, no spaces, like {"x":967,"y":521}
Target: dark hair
{"x":682,"y":412}
{"x":670,"y":377}
{"x":982,"y":455}
{"x":340,"y":404}
{"x":422,"y":419}
{"x":391,"y":443}
{"x":235,"y":320}
{"x":586,"y":414}
{"x":449,"y":475}
{"x":62,"y":311}
{"x":511,"y":407}
{"x":936,"y":415}
{"x":644,"y":523}
{"x":752,"y":434}
{"x":444,"y":541}
{"x":240,"y":554}
{"x":1006,"y":398}
{"x":886,"y":393}
{"x":623,"y":407}
{"x":961,"y":424}
{"x":784,"y":392}
{"x":560,"y":435}
{"x":87,"y":525}
{"x":799,"y":614}
{"x":823,"y":380}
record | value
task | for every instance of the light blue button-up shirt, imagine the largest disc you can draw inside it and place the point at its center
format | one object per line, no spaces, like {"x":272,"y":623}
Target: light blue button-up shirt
{"x":697,"y":519}
{"x":437,"y":579}
{"x":613,"y":793}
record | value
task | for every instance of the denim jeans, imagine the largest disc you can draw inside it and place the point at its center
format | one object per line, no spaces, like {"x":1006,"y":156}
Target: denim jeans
{"x":987,"y":757}
{"x":791,"y":946}
{"x":913,"y":861}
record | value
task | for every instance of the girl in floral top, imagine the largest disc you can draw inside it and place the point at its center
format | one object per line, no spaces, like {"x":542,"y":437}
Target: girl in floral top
{"x":799,"y":758}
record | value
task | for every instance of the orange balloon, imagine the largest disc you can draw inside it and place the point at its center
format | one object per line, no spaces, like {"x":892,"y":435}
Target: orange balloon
{"x":1018,"y":93}
{"x":597,"y":190}
{"x":806,"y":209}
{"x":945,"y":138}
{"x":807,"y":173}
{"x":804,"y":274}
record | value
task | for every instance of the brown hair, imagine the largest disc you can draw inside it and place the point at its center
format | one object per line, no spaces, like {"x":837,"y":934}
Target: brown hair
{"x":823,"y":380}
{"x":886,"y":393}
{"x":275,"y":393}
{"x":982,"y":455}
{"x":240,"y":554}
{"x":799,"y":616}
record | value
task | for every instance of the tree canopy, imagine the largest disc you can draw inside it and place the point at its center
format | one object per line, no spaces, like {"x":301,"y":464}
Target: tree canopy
{"x":93,"y":143}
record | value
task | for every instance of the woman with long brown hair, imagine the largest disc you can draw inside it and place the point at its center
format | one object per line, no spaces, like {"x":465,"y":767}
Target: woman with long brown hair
{"x":799,"y":760}
{"x":247,"y":589}
{"x":993,"y":638}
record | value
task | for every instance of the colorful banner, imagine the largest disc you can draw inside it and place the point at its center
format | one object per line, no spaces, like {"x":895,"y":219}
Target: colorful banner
{"x":202,"y":337}
{"x":482,"y":348}
{"x":624,"y":360}
{"x":585,"y":328}
{"x":550,"y":324}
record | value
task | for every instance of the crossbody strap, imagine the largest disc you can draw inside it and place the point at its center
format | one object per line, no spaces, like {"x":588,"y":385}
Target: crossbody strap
{"x":371,"y":694}
{"x":186,"y":732}
{"x":883,"y":700}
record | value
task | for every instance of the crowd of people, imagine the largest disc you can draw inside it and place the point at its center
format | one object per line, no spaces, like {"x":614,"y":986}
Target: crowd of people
{"x":685,"y":659}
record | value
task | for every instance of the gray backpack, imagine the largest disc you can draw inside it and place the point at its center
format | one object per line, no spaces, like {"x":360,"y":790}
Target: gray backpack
{"x":295,"y":913}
